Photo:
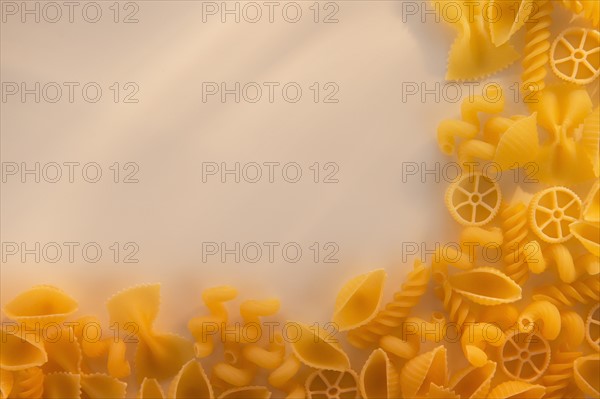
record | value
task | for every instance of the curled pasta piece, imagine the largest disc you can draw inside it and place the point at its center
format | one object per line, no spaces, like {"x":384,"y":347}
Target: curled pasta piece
{"x":358,"y":300}
{"x":543,"y":315}
{"x":473,"y":381}
{"x":588,"y":235}
{"x":583,"y":291}
{"x":102,"y":386}
{"x":572,"y":331}
{"x":485,"y":286}
{"x":40,"y":306}
{"x":284,"y":378}
{"x":379,"y":377}
{"x":252,"y":392}
{"x":481,"y":236}
{"x":20,"y":352}
{"x":331,"y":383}
{"x":28,"y":383}
{"x":515,"y":228}
{"x":405,"y":348}
{"x":420,"y":372}
{"x":537,"y":44}
{"x":150,"y":389}
{"x":476,"y":337}
{"x":590,"y":10}
{"x":559,"y":255}
{"x":472,"y":150}
{"x":235,"y":371}
{"x":316,"y":350}
{"x":517,"y":390}
{"x":62,"y":385}
{"x":157,"y":355}
{"x":395,"y":311}
{"x":586,"y":372}
{"x":458,"y":309}
{"x":559,"y":374}
{"x":267,"y":358}
{"x":191,"y":382}
{"x":204,"y":328}
{"x":449,"y":130}
{"x":504,"y":316}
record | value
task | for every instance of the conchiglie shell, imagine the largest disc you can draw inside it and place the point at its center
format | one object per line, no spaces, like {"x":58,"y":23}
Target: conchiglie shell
{"x":160,"y":356}
{"x":19,"y":353}
{"x":64,"y":352}
{"x":517,"y":390}
{"x":102,"y":386}
{"x":438,"y":392}
{"x":419,"y":372}
{"x":62,"y":385}
{"x":379,"y":378}
{"x":150,"y":389}
{"x":590,"y":139}
{"x":137,"y":305}
{"x":41,"y":305}
{"x":591,"y":207}
{"x":6,"y":383}
{"x":473,"y":382}
{"x":588,"y":235}
{"x":505,"y":20}
{"x":246,"y":393}
{"x":191,"y":382}
{"x":519,"y":144}
{"x":316,"y":349}
{"x":586,"y":372}
{"x":358,"y":301}
{"x":486,"y":286}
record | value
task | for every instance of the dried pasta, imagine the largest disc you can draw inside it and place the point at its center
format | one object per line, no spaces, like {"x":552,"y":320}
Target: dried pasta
{"x":285,"y":377}
{"x":486,"y":286}
{"x":586,"y":372}
{"x":588,"y":9}
{"x":559,"y":374}
{"x":316,"y":350}
{"x":476,"y":337}
{"x":418,"y":373}
{"x":515,"y":228}
{"x":543,"y":315}
{"x":583,"y":291}
{"x":537,"y":45}
{"x":473,"y":381}
{"x":379,"y":377}
{"x":344,"y":384}
{"x":517,"y":389}
{"x":191,"y":382}
{"x":28,"y":383}
{"x":62,"y":385}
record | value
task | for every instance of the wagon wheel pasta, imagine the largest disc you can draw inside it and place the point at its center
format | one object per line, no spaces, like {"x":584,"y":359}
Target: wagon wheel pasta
{"x":592,"y":328}
{"x":575,"y":55}
{"x":525,"y":356}
{"x":551,"y":211}
{"x":473,"y":200}
{"x":332,"y":384}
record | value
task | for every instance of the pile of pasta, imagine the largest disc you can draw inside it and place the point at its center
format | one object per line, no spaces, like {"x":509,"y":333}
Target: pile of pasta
{"x":485,"y":339}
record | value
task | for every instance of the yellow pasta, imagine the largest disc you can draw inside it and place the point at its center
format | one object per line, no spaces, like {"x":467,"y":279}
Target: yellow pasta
{"x":588,"y":9}
{"x":21,"y":351}
{"x":588,"y":235}
{"x":64,"y":353}
{"x":537,"y":45}
{"x":572,"y":331}
{"x":150,"y":389}
{"x":102,"y":386}
{"x":41,"y":305}
{"x":473,"y":200}
{"x":504,"y":316}
{"x":395,"y":311}
{"x":476,"y":337}
{"x":588,"y":263}
{"x":267,"y":358}
{"x":515,"y":228}
{"x":62,"y":385}
{"x":118,"y":365}
{"x":473,"y":381}
{"x":590,"y":142}
{"x":343,"y":384}
{"x":285,"y":378}
{"x":560,"y":256}
{"x":379,"y":377}
{"x":315,"y":349}
{"x":191,"y":382}
{"x":6,"y":383}
{"x":519,"y":144}
{"x":438,"y":392}
{"x":28,"y":383}
{"x":252,"y":392}
{"x":235,"y":370}
{"x":418,"y":373}
{"x":543,"y":315}
{"x":552,"y":211}
{"x":525,"y":356}
{"x":358,"y":300}
{"x":573,"y":56}
{"x":591,"y":205}
{"x":459,"y":311}
{"x":486,"y":286}
{"x":560,"y":373}
{"x":517,"y":390}
{"x":474,"y":151}
{"x":203,"y":328}
{"x":586,"y":372}
{"x":404,"y":347}
{"x":505,"y":19}
{"x":584,"y":291}
{"x":592,"y":328}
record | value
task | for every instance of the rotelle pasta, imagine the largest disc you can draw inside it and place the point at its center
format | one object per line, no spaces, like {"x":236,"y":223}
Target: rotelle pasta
{"x":525,"y":325}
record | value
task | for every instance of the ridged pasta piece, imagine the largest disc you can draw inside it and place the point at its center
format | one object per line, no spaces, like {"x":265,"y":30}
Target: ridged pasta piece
{"x":537,"y":45}
{"x":102,"y":386}
{"x":481,"y":236}
{"x":285,"y":378}
{"x":476,"y":337}
{"x":204,"y":327}
{"x":150,"y":389}
{"x":515,"y":227}
{"x":395,"y":311}
{"x":28,"y":383}
{"x":588,"y":234}
{"x":158,"y":355}
{"x":590,"y":140}
{"x":405,"y":348}
{"x":543,"y":315}
{"x":572,"y":331}
{"x":358,"y":300}
{"x":64,"y":352}
{"x":588,"y":263}
{"x":191,"y":382}
{"x":252,"y":311}
{"x":517,"y":390}
{"x":560,"y":256}
{"x":323,"y":382}
{"x":235,"y":370}
{"x":379,"y":377}
{"x":559,"y":374}
{"x":591,"y":204}
{"x":451,"y":129}
{"x":473,"y":382}
{"x":586,"y":373}
{"x":267,"y":358}
{"x":315,"y":349}
{"x":439,"y":392}
{"x":40,"y":306}
{"x":473,"y":151}
{"x":590,"y":10}
{"x":450,"y":256}
{"x":418,"y":373}
{"x":504,"y":316}
{"x":519,"y":144}
{"x":583,"y":291}
{"x":486,"y":286}
{"x":251,"y":392}
{"x":459,"y":311}
{"x":505,"y":19}
{"x":62,"y":385}
{"x":21,"y":351}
